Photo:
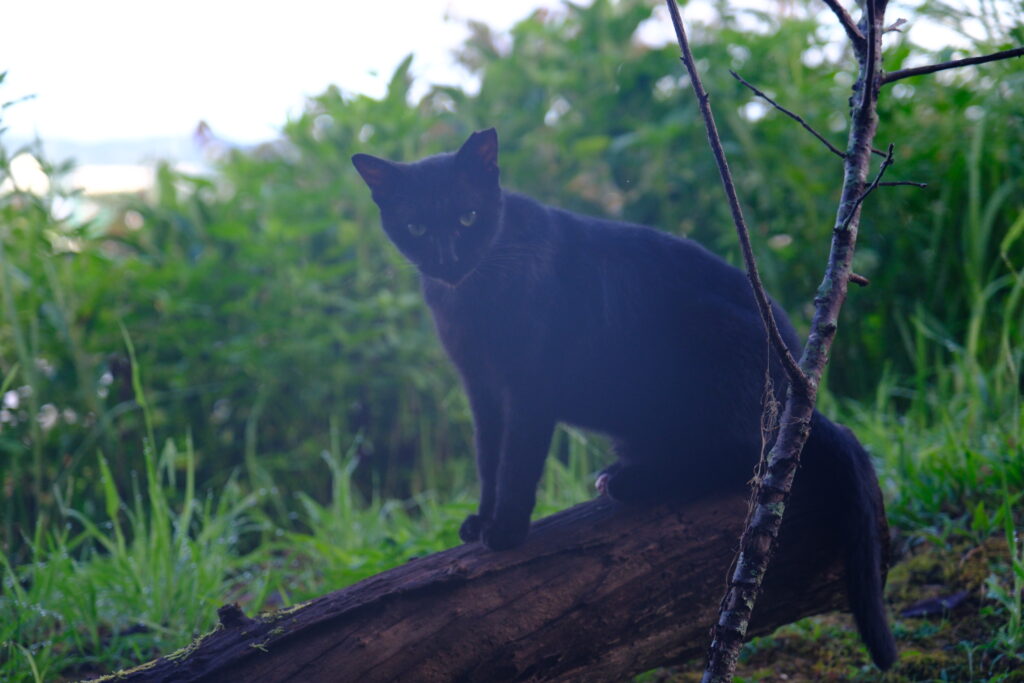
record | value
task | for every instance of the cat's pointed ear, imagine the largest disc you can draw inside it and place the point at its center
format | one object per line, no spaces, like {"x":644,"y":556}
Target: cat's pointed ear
{"x":480,"y":151}
{"x":381,"y":176}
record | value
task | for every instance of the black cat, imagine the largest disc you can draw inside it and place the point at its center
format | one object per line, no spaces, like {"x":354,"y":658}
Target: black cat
{"x":552,"y":316}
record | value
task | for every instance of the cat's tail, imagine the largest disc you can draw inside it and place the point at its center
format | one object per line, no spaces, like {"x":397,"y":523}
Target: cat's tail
{"x":859,"y":507}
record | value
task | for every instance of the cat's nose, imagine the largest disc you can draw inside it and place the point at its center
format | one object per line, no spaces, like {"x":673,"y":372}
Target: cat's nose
{"x":446,"y":250}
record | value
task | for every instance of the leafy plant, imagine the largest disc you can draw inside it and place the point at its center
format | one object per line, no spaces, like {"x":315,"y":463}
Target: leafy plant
{"x":282,"y":338}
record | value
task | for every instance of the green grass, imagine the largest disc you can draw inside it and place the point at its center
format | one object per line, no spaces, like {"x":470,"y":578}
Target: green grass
{"x":142,"y":571}
{"x":97,"y":593}
{"x":98,"y":596}
{"x":951,"y":454}
{"x":951,"y":464}
{"x":142,"y":575}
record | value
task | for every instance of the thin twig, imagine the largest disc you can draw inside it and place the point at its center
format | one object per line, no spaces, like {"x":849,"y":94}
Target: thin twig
{"x":859,"y":280}
{"x":895,"y":26}
{"x":894,"y":183}
{"x":791,"y":115}
{"x":856,"y":37}
{"x":956,"y":63}
{"x":798,"y":119}
{"x":796,"y":376}
{"x":871,"y":188}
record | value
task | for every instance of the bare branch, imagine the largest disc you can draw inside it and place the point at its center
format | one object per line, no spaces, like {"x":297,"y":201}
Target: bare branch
{"x":796,"y":376}
{"x":955,"y":64}
{"x":772,"y":492}
{"x":856,"y":37}
{"x":894,"y":183}
{"x":859,"y":280}
{"x":870,"y":188}
{"x":791,"y":115}
{"x":799,"y":120}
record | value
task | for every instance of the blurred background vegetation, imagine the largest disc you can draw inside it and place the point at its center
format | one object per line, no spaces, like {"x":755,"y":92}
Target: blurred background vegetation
{"x":237,"y":366}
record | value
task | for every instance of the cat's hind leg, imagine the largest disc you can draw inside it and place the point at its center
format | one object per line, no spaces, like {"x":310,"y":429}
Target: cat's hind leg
{"x":626,"y":482}
{"x":636,"y":483}
{"x":656,"y":473}
{"x":639,"y":475}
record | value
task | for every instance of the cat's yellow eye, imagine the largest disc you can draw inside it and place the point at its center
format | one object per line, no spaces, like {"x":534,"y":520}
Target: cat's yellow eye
{"x":416,"y":229}
{"x":468,"y":218}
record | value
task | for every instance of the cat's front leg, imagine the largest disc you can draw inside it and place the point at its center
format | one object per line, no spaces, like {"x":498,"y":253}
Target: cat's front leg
{"x":525,"y":442}
{"x":488,"y":426}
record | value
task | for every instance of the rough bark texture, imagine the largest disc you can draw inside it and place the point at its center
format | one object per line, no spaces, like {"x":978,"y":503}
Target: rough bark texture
{"x":598,"y":592}
{"x":771,"y":496}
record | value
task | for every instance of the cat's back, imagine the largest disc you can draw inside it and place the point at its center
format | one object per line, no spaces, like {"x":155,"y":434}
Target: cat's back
{"x":633,"y":284}
{"x":657,"y":320}
{"x":598,"y":282}
{"x":646,"y":262}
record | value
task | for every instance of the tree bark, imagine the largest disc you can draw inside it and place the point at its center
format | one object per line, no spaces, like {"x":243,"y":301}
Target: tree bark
{"x":598,"y":592}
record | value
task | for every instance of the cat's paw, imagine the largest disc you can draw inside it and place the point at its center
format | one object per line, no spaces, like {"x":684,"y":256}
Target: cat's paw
{"x":505,"y":533}
{"x":471,"y":529}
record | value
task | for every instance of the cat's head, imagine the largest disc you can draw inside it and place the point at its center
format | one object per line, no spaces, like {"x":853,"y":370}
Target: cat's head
{"x":443,"y":212}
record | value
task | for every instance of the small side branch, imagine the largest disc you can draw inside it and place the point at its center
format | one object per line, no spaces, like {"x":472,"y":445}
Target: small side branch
{"x":793,"y":371}
{"x":832,"y":148}
{"x":954,"y":64}
{"x":895,"y":26}
{"x":847,"y":22}
{"x":894,"y":183}
{"x":870,"y":188}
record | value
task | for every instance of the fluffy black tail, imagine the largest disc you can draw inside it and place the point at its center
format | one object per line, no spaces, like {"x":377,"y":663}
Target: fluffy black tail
{"x":834,"y":448}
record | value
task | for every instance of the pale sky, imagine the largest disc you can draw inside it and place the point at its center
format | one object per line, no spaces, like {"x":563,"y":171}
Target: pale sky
{"x":116,"y":69}
{"x":130,"y":69}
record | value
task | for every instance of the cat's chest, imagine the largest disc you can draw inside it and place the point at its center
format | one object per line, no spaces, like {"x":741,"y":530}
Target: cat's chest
{"x":493,"y":328}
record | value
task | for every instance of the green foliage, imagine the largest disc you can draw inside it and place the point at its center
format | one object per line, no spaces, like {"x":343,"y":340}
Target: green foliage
{"x":266,"y":304}
{"x":272,"y":323}
{"x":97,"y":592}
{"x":98,"y":595}
{"x":952,"y":453}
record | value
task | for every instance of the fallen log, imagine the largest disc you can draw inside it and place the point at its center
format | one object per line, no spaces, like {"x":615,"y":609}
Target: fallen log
{"x":598,"y":592}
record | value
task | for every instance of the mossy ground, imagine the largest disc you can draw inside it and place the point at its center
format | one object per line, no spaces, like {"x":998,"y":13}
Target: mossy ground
{"x":952,"y":645}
